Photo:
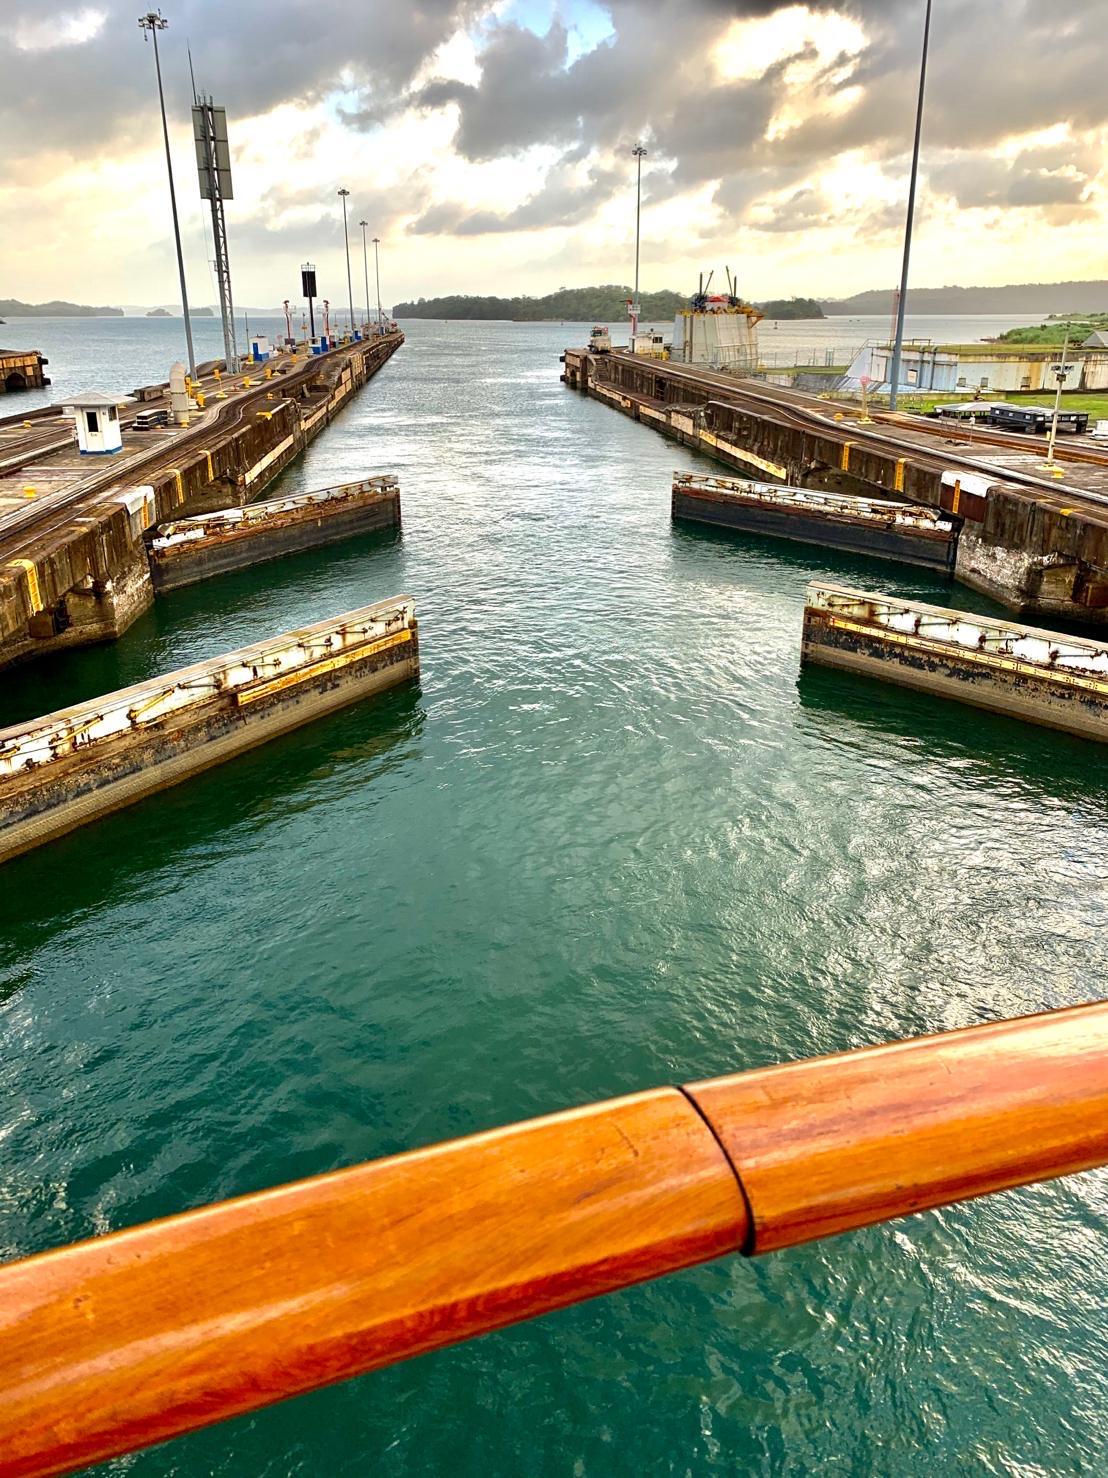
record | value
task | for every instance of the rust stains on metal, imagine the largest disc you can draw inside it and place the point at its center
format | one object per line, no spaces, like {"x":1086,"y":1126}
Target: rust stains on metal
{"x":70,"y":767}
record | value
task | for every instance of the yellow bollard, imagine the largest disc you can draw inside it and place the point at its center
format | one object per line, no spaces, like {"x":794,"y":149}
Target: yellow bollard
{"x":28,"y":492}
{"x":246,"y":382}
{"x":200,"y":399}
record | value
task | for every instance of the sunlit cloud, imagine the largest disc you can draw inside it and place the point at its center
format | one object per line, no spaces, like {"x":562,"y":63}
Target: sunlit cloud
{"x":489,"y":143}
{"x":70,"y":28}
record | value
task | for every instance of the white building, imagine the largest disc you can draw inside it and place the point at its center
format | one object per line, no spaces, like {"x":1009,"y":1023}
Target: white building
{"x":97,"y":418}
{"x":650,"y":344}
{"x":985,"y":368}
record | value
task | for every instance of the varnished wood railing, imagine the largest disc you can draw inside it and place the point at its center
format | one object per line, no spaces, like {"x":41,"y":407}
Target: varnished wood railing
{"x":116,"y":1343}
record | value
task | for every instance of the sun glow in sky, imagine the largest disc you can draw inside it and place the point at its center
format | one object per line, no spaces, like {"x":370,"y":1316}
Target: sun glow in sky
{"x":488,"y":144}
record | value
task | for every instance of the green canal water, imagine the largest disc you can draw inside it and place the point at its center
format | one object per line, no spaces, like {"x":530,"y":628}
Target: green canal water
{"x":615,"y":838}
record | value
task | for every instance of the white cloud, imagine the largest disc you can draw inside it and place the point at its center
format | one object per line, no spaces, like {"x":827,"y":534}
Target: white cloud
{"x":776,"y":144}
{"x":71,"y":28}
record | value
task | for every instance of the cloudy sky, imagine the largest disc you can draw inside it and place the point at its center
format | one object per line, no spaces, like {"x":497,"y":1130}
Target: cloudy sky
{"x":488,"y":144}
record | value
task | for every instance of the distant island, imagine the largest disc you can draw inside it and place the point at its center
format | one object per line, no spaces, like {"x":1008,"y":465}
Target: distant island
{"x":165,"y":313}
{"x":1019,"y":297}
{"x":576,"y":304}
{"x":13,"y":308}
{"x":602,"y":304}
{"x":791,"y":308}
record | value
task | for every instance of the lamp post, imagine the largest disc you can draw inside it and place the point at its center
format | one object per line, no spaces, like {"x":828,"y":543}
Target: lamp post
{"x":365,"y":264}
{"x":639,"y":154}
{"x":898,"y":342}
{"x":349,"y":282}
{"x":377,"y":268}
{"x":150,"y":24}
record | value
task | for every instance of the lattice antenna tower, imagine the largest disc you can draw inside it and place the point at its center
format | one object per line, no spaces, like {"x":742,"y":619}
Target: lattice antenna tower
{"x":213,"y":165}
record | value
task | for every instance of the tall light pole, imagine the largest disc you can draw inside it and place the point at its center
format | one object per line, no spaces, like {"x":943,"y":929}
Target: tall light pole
{"x":346,"y":236}
{"x":365,"y":264}
{"x":639,"y":154}
{"x":898,"y":342}
{"x":377,"y":268}
{"x":150,"y":24}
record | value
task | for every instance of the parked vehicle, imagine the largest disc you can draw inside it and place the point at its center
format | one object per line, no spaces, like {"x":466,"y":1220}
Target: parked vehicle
{"x":1008,"y":415}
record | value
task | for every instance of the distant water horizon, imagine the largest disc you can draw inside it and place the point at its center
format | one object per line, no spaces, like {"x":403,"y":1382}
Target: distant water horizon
{"x":116,"y":355}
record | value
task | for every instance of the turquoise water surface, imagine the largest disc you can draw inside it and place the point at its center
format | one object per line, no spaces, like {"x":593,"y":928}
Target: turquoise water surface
{"x":613,"y":839}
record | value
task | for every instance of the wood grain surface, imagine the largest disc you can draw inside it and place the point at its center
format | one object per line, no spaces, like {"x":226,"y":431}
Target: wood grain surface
{"x":116,"y":1343}
{"x":839,"y":1142}
{"x":113,"y":1344}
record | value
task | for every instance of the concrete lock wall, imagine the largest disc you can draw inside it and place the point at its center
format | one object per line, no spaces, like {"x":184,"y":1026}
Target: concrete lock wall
{"x":87,"y":579}
{"x":1040,"y":676}
{"x":882,"y":529}
{"x":187,"y":550}
{"x":79,"y":764}
{"x":1040,"y":558}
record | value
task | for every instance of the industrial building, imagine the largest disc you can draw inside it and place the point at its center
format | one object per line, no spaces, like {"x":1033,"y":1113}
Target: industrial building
{"x":717,"y":332}
{"x":978,"y":367}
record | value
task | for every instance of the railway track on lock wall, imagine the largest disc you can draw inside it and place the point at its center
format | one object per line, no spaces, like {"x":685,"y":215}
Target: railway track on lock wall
{"x":46,"y":436}
{"x":1069,"y":449}
{"x":808,"y":414}
{"x":30,"y":524}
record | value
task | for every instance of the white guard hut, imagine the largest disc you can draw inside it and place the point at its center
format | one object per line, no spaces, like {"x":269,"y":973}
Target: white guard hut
{"x":97,"y":418}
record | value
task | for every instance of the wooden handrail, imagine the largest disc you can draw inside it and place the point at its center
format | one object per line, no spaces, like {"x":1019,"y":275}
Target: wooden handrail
{"x":131,"y":1338}
{"x":839,"y":1142}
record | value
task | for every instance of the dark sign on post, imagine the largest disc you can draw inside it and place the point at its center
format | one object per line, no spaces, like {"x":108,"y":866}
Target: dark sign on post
{"x":308,"y":288}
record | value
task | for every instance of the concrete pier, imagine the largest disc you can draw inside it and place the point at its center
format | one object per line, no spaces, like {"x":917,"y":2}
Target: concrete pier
{"x":73,"y":561}
{"x":874,"y":526}
{"x":73,"y":766}
{"x":191,"y":549}
{"x":1040,"y":676}
{"x":1034,"y":539}
{"x":22,"y":369}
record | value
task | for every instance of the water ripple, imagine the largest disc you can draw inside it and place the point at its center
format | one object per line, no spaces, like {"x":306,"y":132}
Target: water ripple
{"x":614,"y":838}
